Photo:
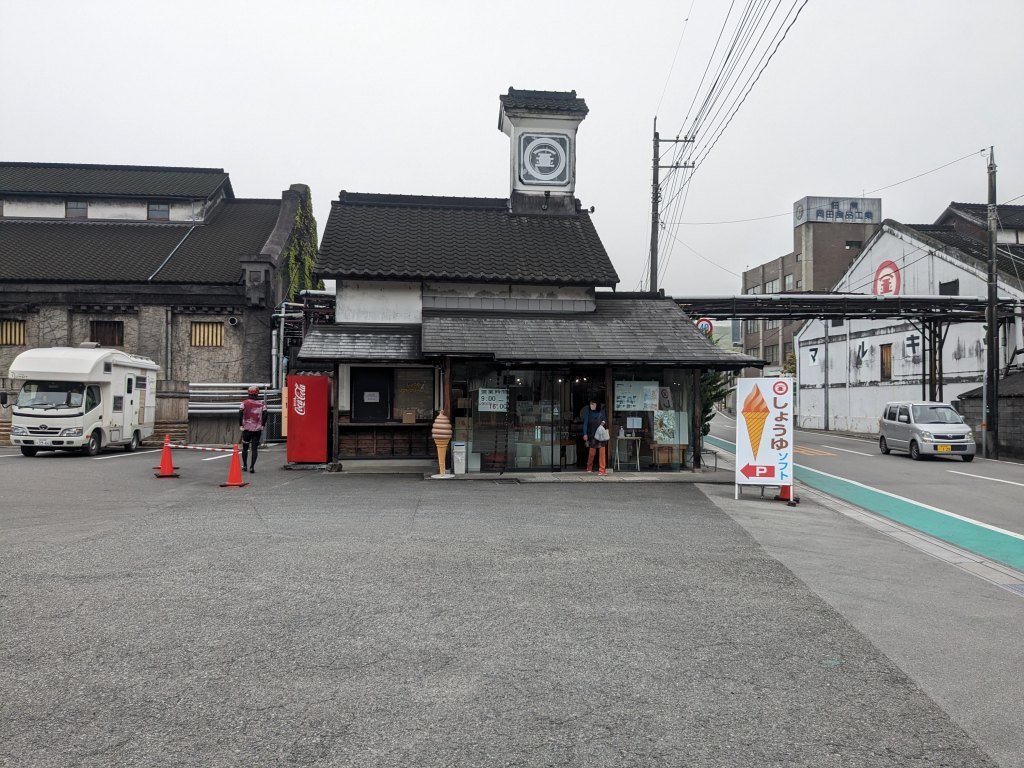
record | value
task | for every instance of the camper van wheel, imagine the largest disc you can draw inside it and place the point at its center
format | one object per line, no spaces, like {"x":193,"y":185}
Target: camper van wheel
{"x":28,"y":451}
{"x":134,"y":444}
{"x":93,"y":446}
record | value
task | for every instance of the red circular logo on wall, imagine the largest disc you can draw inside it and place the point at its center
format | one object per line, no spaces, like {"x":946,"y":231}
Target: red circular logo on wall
{"x":780,"y":387}
{"x":887,"y":279}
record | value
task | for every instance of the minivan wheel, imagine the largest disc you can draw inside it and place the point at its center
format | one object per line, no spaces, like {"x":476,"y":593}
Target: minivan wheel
{"x":133,"y":444}
{"x":915,"y":452}
{"x":883,"y":446}
{"x":969,"y":458}
{"x":25,"y":451}
{"x":93,"y":446}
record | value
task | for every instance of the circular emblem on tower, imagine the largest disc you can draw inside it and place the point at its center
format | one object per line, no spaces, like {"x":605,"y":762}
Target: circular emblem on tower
{"x":544,"y":159}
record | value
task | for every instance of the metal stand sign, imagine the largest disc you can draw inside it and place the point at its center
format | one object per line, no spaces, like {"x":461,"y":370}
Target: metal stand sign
{"x":764,"y":433}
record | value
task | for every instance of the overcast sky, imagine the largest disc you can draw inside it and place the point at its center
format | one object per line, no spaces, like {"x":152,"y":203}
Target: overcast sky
{"x":402,"y":97}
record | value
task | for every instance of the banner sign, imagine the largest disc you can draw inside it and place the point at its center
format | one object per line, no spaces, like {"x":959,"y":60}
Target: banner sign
{"x":764,"y":432}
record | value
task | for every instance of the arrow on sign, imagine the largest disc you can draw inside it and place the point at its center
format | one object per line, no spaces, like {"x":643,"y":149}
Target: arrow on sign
{"x":758,"y":470}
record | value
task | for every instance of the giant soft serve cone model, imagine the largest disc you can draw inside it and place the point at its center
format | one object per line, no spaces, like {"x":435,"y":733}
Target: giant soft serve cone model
{"x":442,"y":434}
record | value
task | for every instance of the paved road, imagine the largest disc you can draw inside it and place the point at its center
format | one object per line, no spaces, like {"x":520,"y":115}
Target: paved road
{"x":988,"y":491}
{"x":317,"y":619}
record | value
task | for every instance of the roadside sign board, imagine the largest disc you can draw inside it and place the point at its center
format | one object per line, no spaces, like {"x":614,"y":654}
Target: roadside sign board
{"x":705,"y":326}
{"x":764,"y":432}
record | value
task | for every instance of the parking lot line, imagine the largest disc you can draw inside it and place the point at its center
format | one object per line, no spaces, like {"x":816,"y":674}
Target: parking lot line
{"x":124,"y":455}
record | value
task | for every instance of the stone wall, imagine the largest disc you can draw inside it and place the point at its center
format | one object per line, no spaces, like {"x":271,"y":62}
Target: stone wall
{"x":1011,"y":424}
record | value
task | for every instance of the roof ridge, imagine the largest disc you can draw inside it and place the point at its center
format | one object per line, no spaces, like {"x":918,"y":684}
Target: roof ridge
{"x":419,"y":201}
{"x":105,"y":167}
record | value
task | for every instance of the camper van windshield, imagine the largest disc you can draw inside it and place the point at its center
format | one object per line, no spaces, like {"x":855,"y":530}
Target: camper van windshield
{"x":51,"y":394}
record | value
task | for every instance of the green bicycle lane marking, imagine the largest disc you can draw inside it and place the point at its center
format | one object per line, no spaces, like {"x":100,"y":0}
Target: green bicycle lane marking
{"x":986,"y":540}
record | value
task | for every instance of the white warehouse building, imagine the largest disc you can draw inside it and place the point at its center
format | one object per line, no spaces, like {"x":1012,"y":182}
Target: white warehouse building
{"x":848,"y":369}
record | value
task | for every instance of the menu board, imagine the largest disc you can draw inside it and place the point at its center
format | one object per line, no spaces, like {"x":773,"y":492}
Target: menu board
{"x":636,"y":395}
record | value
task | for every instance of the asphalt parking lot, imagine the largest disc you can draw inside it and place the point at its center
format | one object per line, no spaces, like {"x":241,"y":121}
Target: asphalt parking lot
{"x":328,"y":619}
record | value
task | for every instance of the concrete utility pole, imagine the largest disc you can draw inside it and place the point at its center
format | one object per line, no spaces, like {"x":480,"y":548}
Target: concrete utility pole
{"x":991,"y":405}
{"x":656,"y":198}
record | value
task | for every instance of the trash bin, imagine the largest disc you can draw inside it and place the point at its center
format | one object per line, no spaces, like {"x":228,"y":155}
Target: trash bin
{"x":459,"y":457}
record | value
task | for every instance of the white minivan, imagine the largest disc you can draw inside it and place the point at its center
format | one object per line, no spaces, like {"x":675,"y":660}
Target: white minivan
{"x":925,"y":429}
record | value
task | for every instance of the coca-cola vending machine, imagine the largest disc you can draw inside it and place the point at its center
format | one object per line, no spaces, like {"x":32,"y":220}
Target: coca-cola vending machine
{"x":307,"y":418}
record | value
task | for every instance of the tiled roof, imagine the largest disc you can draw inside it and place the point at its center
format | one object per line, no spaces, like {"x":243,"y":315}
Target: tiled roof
{"x":111,"y":180}
{"x":457,"y":238}
{"x":1009,"y":386}
{"x":1010,"y":257}
{"x":621,"y":331}
{"x":83,"y":251}
{"x":1010,"y":216}
{"x":362,"y":343}
{"x":561,"y":102}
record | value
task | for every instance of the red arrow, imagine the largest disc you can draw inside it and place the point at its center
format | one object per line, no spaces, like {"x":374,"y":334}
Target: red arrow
{"x":758,"y":470}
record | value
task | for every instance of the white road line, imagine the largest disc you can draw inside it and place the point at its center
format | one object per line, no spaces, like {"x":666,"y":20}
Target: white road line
{"x":847,"y":450}
{"x":11,"y":456}
{"x":125,"y":455}
{"x":982,"y":477}
{"x":839,"y":437}
{"x":222,"y":456}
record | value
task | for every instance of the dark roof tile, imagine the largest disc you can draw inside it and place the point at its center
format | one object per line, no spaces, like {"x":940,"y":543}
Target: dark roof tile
{"x":83,"y":251}
{"x":404,"y":237}
{"x":362,"y":343}
{"x":563,"y":102}
{"x":111,"y":180}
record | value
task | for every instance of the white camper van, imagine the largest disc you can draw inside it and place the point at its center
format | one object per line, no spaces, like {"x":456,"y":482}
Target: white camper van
{"x":82,"y":398}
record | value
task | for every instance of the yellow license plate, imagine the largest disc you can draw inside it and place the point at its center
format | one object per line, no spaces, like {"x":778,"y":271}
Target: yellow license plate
{"x":944,"y":448}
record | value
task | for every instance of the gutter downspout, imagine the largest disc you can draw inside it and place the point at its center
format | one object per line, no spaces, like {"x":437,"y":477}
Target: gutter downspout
{"x":173,"y":251}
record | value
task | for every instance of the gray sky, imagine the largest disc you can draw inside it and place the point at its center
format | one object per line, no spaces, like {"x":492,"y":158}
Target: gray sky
{"x":402,"y":97}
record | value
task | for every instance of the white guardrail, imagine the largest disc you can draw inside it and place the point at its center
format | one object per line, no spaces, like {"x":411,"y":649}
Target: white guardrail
{"x":226,"y":397}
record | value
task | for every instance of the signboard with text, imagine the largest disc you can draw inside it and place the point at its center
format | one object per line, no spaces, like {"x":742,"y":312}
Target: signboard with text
{"x":493,"y":401}
{"x":764,"y":432}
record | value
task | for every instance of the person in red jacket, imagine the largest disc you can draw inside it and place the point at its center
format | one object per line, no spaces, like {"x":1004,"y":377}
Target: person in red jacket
{"x":252,"y":417}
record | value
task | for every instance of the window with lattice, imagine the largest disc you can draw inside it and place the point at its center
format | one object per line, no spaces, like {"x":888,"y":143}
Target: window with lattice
{"x":107,"y":333}
{"x":12,"y":333}
{"x":207,"y":334}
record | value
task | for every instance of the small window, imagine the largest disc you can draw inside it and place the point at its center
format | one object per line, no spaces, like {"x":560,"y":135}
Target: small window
{"x":772,"y":286}
{"x":890,"y":413}
{"x":118,"y":404}
{"x":751,"y":351}
{"x":771,"y":354}
{"x":836,"y":322}
{"x":107,"y":333}
{"x":12,"y":333}
{"x":159,"y":212}
{"x":140,"y":382}
{"x":788,"y":283}
{"x":108,"y":367}
{"x":76,"y":209}
{"x":886,"y":358}
{"x":128,"y":385}
{"x":770,"y":325}
{"x":952,"y":288}
{"x":903,"y":415}
{"x":752,"y":326}
{"x":206,"y":334}
{"x":854,"y":245}
{"x":787,"y":348}
{"x":799,"y":284}
{"x":92,"y":398}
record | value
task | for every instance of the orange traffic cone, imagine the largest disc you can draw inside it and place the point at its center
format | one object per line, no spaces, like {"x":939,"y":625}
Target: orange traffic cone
{"x":787,"y":493}
{"x":166,"y":462}
{"x":235,"y":473}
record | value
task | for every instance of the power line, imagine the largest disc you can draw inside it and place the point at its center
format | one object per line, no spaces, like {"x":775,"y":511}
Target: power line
{"x":674,"y":57}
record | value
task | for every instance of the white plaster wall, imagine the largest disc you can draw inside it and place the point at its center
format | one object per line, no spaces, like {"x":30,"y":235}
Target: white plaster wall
{"x":33,"y":208}
{"x":187,"y":211}
{"x":344,"y":401}
{"x":856,"y":392}
{"x":361,"y":301}
{"x":121,"y":210}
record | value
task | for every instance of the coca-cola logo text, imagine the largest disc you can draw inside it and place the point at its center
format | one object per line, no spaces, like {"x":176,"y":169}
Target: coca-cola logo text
{"x":299,"y":399}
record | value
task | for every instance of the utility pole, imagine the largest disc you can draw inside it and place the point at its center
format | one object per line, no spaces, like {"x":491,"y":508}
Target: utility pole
{"x":656,"y":198}
{"x":991,"y":405}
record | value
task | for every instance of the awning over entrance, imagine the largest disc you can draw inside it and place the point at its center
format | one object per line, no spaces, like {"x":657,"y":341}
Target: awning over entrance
{"x":352,"y":342}
{"x":622,"y":331}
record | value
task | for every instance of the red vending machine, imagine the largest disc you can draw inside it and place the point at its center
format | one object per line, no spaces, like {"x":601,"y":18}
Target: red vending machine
{"x":307,"y":416}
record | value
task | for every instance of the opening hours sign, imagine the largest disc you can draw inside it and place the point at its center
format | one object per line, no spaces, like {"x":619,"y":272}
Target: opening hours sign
{"x":764,"y":432}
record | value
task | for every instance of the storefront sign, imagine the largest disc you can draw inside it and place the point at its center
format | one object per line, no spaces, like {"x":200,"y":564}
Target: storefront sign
{"x":493,"y":401}
{"x":764,"y":432}
{"x":371,"y":397}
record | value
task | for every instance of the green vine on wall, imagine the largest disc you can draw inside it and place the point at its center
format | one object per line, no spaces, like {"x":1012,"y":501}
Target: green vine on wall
{"x":300,"y":254}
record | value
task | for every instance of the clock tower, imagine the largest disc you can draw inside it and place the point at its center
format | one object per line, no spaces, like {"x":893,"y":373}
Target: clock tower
{"x":542,"y":126}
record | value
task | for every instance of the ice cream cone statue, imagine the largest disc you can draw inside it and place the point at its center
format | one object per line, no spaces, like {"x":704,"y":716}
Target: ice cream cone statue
{"x":755,"y":413}
{"x":442,"y":434}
